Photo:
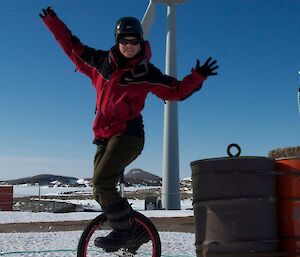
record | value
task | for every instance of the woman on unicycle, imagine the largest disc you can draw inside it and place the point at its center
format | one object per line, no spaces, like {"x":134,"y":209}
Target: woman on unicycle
{"x":122,"y":78}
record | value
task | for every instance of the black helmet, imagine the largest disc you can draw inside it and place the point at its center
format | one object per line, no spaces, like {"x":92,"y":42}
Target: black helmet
{"x":128,"y":26}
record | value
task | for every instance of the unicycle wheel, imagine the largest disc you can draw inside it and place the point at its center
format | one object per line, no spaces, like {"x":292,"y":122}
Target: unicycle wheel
{"x":145,"y":233}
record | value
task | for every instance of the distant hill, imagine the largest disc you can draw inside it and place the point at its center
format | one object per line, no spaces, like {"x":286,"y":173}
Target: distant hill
{"x":141,"y":177}
{"x":133,"y":177}
{"x":43,"y":179}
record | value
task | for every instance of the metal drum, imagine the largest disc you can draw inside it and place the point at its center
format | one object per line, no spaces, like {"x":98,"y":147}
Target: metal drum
{"x":234,"y":200}
{"x":288,"y":186}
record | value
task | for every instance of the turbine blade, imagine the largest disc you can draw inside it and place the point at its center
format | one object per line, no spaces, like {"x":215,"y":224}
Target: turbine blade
{"x":148,"y":18}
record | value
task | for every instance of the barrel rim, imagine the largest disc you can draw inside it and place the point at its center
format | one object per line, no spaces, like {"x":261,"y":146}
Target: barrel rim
{"x":288,"y":158}
{"x":232,"y":158}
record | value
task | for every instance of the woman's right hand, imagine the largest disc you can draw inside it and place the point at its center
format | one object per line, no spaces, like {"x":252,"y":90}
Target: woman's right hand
{"x":48,"y":11}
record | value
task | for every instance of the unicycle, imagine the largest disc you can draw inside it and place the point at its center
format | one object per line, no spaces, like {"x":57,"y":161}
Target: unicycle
{"x":144,"y":232}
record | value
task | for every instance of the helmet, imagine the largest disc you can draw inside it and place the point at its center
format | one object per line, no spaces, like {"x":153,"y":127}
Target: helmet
{"x":128,"y":26}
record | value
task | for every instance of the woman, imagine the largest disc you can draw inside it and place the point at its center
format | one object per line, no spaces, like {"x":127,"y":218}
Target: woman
{"x":122,"y":77}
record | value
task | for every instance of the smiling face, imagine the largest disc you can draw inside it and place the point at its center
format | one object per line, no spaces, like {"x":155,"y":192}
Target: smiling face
{"x":129,"y":46}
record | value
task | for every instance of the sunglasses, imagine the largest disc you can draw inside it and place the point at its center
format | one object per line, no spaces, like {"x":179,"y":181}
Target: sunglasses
{"x":126,"y":42}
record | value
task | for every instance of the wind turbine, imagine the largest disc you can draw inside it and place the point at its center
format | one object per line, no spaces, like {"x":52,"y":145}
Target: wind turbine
{"x":171,"y":187}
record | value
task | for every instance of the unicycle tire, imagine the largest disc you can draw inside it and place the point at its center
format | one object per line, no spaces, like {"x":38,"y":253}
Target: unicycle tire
{"x":144,"y":231}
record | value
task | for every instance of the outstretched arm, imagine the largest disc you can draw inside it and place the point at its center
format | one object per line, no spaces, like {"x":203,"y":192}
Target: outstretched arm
{"x":172,"y":89}
{"x":69,"y":43}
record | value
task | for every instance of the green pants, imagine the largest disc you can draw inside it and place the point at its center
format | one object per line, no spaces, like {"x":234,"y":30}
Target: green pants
{"x":109,"y":164}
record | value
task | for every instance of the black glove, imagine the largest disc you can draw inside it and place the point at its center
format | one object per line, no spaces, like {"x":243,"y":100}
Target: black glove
{"x":208,"y":68}
{"x":49,"y":11}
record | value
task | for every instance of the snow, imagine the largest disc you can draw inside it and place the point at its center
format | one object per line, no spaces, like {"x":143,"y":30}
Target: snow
{"x":26,"y":190}
{"x":25,"y":217}
{"x":64,"y":244}
{"x":136,"y":204}
{"x":29,"y":190}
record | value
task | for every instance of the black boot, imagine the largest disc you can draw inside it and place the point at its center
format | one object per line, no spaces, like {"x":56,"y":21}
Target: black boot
{"x":121,"y":236}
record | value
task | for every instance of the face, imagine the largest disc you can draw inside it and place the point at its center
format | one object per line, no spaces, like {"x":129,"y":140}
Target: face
{"x":129,"y":46}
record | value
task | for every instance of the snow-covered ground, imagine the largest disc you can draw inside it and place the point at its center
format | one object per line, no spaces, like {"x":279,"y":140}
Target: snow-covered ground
{"x":34,"y":191}
{"x":29,"y":190}
{"x":26,"y":217}
{"x":64,"y":244}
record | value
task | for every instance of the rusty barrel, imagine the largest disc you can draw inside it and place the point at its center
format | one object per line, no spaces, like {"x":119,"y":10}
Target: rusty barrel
{"x":288,"y":191}
{"x":234,"y":200}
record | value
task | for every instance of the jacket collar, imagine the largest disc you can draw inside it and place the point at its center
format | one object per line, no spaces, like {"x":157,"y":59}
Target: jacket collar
{"x":118,"y":60}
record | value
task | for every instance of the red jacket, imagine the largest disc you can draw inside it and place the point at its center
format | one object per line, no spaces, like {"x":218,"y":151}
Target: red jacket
{"x":121,"y":85}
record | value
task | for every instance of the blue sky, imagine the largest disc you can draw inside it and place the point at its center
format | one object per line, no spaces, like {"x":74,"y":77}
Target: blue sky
{"x":47,"y":110}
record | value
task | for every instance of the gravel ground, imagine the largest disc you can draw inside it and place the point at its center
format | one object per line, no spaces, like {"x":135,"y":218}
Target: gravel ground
{"x":178,"y":224}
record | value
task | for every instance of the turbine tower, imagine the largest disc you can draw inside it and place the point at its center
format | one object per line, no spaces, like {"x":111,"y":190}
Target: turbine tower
{"x":171,"y":188}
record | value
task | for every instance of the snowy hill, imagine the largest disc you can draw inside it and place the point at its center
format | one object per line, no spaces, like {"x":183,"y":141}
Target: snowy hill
{"x":44,"y":179}
{"x":135,"y":177}
{"x":141,"y":177}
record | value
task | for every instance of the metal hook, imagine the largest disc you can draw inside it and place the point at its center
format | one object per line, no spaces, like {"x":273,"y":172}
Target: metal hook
{"x":229,"y":150}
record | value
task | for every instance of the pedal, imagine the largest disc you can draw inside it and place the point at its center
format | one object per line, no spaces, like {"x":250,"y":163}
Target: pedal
{"x":124,"y":253}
